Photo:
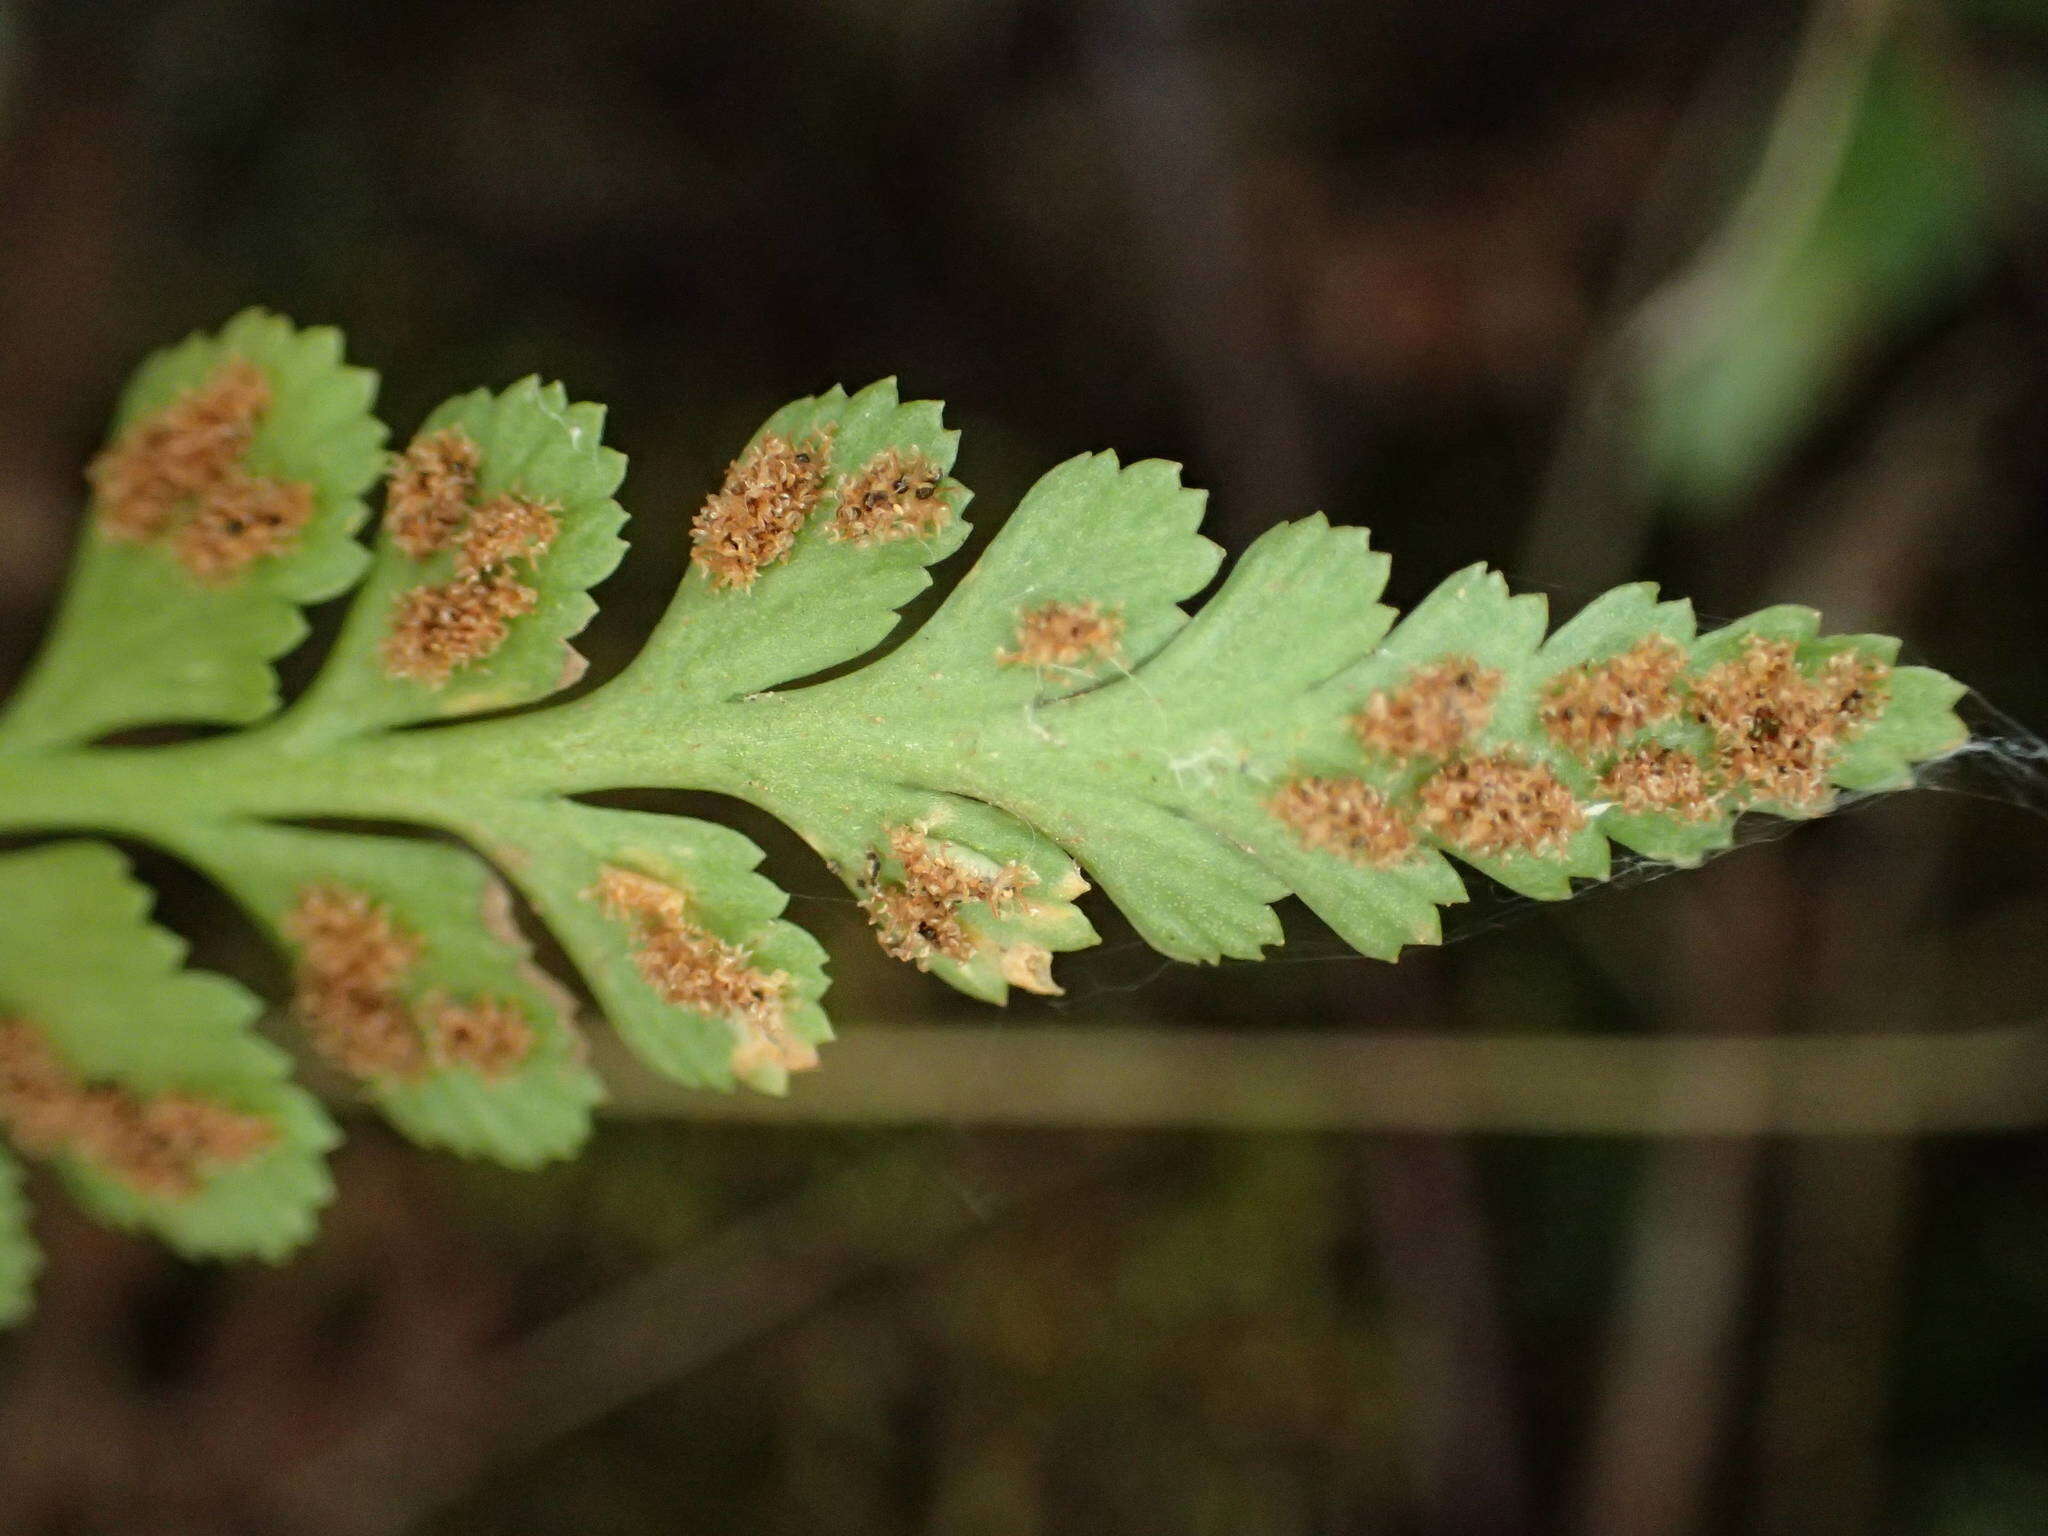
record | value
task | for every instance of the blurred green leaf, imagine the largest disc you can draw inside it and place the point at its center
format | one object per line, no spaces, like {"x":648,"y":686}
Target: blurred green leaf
{"x":103,"y":989}
{"x":1753,"y":351}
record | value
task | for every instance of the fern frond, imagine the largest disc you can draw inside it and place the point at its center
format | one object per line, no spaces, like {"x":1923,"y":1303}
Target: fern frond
{"x":1290,"y":738}
{"x":1061,"y":719}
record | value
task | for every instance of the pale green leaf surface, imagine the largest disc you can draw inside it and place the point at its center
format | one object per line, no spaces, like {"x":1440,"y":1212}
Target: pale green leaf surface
{"x":1293,"y":568}
{"x":1228,"y":652}
{"x":142,"y":641}
{"x":1189,"y":894}
{"x":1919,"y":724}
{"x":472,"y":952}
{"x":1899,"y":230}
{"x":559,"y":852}
{"x":535,"y":444}
{"x":80,"y":963}
{"x":831,"y":600}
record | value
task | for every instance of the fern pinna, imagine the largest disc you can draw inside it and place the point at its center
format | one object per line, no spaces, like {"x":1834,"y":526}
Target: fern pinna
{"x":1059,"y":721}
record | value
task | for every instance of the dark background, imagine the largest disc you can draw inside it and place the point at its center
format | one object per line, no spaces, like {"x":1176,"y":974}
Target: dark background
{"x":1744,"y":297}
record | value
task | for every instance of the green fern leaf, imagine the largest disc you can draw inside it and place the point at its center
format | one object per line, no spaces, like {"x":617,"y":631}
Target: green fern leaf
{"x":1283,"y":741}
{"x":821,"y":531}
{"x":414,"y":982}
{"x":498,"y":519}
{"x":681,"y":943}
{"x":143,"y":1084}
{"x":1061,"y":719}
{"x":229,"y":495}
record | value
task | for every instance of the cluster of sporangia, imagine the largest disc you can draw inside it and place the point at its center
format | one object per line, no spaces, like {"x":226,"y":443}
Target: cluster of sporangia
{"x":160,"y":1144}
{"x":178,"y":477}
{"x":1774,"y":729}
{"x":429,"y":506}
{"x":752,"y":520}
{"x":352,"y":994}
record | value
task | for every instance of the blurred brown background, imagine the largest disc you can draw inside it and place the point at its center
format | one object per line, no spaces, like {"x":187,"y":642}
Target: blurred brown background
{"x":1748,"y":298}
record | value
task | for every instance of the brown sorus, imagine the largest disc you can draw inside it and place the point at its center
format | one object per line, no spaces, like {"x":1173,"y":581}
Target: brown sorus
{"x":917,"y":918}
{"x":352,"y":958}
{"x":177,"y":476}
{"x":438,"y":630}
{"x":505,"y":529}
{"x":895,"y":495}
{"x":1347,"y":817}
{"x":751,"y":521}
{"x":1055,"y":635}
{"x":167,"y":459}
{"x":240,"y":521}
{"x":1439,"y":708}
{"x":1658,"y":779}
{"x":1500,"y":804}
{"x":491,"y":1036}
{"x":693,"y":968}
{"x":426,"y":497}
{"x":1590,"y":710}
{"x":160,"y":1144}
{"x":1776,"y":729}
